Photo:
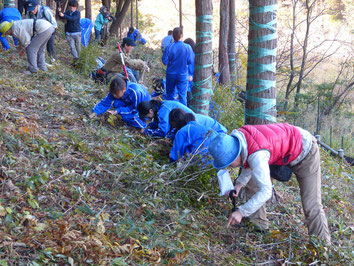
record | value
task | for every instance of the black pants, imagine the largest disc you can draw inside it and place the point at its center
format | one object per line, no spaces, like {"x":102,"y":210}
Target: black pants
{"x":50,"y":46}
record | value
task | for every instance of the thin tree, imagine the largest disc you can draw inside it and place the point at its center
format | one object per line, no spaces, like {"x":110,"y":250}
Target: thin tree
{"x":88,"y":12}
{"x":232,"y":43}
{"x":261,"y":79}
{"x":121,"y":10}
{"x":136,"y":14}
{"x":202,"y":80}
{"x":224,"y":31}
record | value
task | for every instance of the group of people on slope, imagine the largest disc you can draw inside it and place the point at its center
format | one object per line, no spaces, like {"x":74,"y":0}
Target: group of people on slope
{"x":253,"y":148}
{"x":38,"y":29}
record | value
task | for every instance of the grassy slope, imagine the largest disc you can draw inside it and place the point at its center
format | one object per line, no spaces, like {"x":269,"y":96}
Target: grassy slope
{"x":76,"y":190}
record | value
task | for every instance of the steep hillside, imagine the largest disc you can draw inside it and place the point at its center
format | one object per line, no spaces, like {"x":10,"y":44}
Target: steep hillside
{"x":81,"y":191}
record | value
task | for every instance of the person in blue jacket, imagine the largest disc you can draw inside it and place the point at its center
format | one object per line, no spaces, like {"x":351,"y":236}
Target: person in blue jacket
{"x":167,"y":41}
{"x":190,"y":70}
{"x":136,"y":36}
{"x":124,"y":97}
{"x":191,"y":138}
{"x":179,"y":117}
{"x":72,"y":28}
{"x":177,"y":57}
{"x":159,"y":112}
{"x":9,"y":13}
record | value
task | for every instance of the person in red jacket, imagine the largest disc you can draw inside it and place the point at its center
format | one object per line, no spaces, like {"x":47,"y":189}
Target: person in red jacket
{"x":256,"y":148}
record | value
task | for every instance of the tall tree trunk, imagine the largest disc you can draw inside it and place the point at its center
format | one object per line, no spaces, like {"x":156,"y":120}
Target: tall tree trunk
{"x":180,"y":14}
{"x":291,"y":56}
{"x":122,"y":8}
{"x":202,"y":80}
{"x":88,"y":12}
{"x":231,"y":42}
{"x":224,"y":32}
{"x":309,"y":8}
{"x":132,"y":14}
{"x":107,"y":3}
{"x":261,"y":80}
{"x":136,"y":14}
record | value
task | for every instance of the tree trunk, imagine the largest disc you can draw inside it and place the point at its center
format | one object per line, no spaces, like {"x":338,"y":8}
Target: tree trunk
{"x":136,"y":14}
{"x":107,"y":3}
{"x":261,"y":80}
{"x":180,"y":14}
{"x":231,"y":42}
{"x":224,"y":32}
{"x":304,"y":51}
{"x":122,"y":8}
{"x":202,"y":80}
{"x":291,"y":58}
{"x":132,"y":14}
{"x":88,"y":12}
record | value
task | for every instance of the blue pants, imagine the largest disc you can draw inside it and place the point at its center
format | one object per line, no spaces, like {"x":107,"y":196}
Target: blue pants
{"x":97,"y":34}
{"x":177,"y":84}
{"x":5,"y":43}
{"x":132,"y":119}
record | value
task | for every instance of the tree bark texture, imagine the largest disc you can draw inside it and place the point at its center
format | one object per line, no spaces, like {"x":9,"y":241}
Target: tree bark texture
{"x":261,"y":89}
{"x":107,"y":3}
{"x":232,"y":42}
{"x":136,"y":14}
{"x":122,"y":8}
{"x":202,"y":80}
{"x":88,"y":11}
{"x":223,"y":36}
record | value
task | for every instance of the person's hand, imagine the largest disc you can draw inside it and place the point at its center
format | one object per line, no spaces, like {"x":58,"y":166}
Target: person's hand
{"x":147,"y":68}
{"x":142,"y":130}
{"x":190,"y":78}
{"x":237,"y":187}
{"x":59,"y":9}
{"x":112,"y":112}
{"x":92,"y":115}
{"x":234,"y":218}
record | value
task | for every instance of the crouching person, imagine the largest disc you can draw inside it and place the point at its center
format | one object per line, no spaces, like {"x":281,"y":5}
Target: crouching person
{"x":191,"y":138}
{"x":124,"y":97}
{"x":255,"y":149}
{"x":33,"y":36}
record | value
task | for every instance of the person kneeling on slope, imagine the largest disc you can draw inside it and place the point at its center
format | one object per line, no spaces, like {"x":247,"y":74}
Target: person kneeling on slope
{"x":159,"y":113}
{"x":125,"y":97}
{"x":191,"y":138}
{"x":255,"y":149}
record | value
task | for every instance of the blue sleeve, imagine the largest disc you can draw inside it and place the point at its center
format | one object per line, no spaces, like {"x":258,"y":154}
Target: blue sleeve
{"x":165,"y":55}
{"x":190,"y":59}
{"x":1,"y":15}
{"x":104,"y":104}
{"x":157,"y":133}
{"x":179,"y":146}
{"x":74,"y":16}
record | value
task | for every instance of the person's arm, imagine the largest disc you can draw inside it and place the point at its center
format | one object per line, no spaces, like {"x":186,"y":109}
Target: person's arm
{"x":49,"y":16}
{"x":136,"y":64}
{"x":259,"y":164}
{"x":104,"y":104}
{"x":165,"y":55}
{"x":73,"y":17}
{"x":179,"y":146}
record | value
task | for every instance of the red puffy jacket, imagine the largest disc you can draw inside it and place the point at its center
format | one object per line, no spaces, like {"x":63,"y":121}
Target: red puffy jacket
{"x":283,"y":141}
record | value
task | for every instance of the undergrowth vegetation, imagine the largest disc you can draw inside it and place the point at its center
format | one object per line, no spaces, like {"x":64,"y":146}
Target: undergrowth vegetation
{"x":81,"y":191}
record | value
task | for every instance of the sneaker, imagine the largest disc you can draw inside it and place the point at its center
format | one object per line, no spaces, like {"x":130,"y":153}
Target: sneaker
{"x":26,"y":72}
{"x":53,"y":59}
{"x":49,"y":65}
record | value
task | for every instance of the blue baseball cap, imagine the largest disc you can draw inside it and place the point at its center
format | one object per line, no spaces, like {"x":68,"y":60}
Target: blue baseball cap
{"x":31,"y":5}
{"x":225,"y":149}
